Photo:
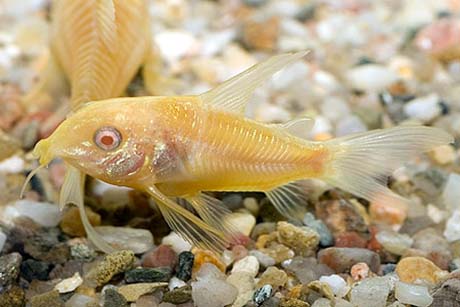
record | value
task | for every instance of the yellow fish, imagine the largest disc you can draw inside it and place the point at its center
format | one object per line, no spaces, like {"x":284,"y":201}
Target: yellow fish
{"x":98,"y":46}
{"x":178,"y":147}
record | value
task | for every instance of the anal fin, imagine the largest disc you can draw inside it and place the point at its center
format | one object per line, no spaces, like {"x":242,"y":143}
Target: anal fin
{"x":290,"y":199}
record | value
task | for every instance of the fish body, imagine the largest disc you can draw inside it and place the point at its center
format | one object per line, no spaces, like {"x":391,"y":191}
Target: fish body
{"x":97,"y":46}
{"x":180,"y":147}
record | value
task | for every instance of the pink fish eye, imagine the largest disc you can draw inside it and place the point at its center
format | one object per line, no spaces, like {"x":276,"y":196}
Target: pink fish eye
{"x":107,"y":138}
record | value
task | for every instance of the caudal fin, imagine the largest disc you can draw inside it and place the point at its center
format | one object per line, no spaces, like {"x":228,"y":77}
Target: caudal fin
{"x":361,"y":163}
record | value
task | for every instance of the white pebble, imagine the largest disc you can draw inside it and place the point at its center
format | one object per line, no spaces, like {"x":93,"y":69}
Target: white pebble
{"x":80,"y":300}
{"x":451,"y":192}
{"x":371,"y":292}
{"x":248,"y":264}
{"x":371,"y":77}
{"x":174,"y":45}
{"x":337,"y":284}
{"x":69,"y":284}
{"x":423,"y":108}
{"x":264,"y":259}
{"x":176,"y":283}
{"x":45,"y":214}
{"x":452,"y":231}
{"x":176,"y":242}
{"x":243,"y":221}
{"x":135,"y":239}
{"x":2,"y":240}
{"x":322,"y":302}
{"x":412,"y":294}
{"x":394,"y":242}
{"x":12,"y":165}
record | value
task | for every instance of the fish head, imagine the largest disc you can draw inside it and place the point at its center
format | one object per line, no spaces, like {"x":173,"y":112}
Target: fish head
{"x":100,"y":140}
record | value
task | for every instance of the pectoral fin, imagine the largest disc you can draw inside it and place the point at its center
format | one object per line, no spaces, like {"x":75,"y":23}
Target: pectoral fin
{"x":234,"y":94}
{"x":290,"y":199}
{"x":187,"y":225}
{"x":72,"y":191}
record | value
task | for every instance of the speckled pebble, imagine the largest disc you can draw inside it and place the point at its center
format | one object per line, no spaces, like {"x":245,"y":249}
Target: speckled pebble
{"x":113,"y":264}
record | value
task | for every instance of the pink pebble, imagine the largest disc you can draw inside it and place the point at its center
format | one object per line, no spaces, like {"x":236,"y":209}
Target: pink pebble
{"x":359,"y":271}
{"x":162,"y":256}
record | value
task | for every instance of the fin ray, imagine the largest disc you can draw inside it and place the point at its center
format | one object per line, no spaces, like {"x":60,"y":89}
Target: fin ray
{"x":233,"y":94}
{"x":106,"y":25}
{"x":288,"y":199}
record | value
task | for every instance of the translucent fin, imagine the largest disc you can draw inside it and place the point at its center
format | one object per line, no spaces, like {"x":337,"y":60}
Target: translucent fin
{"x":233,"y":94}
{"x":213,"y":212}
{"x":28,"y":178}
{"x":106,"y":24}
{"x":299,"y":127}
{"x":187,"y":225}
{"x":360,"y":163}
{"x":290,"y":199}
{"x":72,"y":192}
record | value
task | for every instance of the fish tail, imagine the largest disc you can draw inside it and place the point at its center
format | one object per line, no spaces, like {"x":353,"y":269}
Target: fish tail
{"x":361,"y":163}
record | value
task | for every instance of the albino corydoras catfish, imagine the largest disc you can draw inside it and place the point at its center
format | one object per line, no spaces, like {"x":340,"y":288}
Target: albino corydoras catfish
{"x":180,"y":147}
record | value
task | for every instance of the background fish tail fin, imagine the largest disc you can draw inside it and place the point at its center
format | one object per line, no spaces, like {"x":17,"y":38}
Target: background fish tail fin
{"x":361,"y":163}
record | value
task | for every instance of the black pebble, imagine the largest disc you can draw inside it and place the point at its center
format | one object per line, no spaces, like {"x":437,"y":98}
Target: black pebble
{"x":32,"y":269}
{"x":185,"y":265}
{"x":148,"y":275}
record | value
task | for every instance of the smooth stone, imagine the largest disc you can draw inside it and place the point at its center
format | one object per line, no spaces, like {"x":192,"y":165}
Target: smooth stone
{"x":209,"y":270}
{"x":80,"y":300}
{"x":177,"y":243}
{"x":209,"y":291}
{"x":10,"y":265}
{"x":325,"y":235}
{"x":341,"y":259}
{"x":446,"y":294}
{"x":69,"y":284}
{"x":12,"y":165}
{"x":370,"y":77}
{"x":394,"y":242}
{"x":337,"y":284}
{"x":111,"y":298}
{"x":185,"y":265}
{"x":306,"y":269}
{"x":132,"y":292}
{"x":412,"y":269}
{"x":435,"y":245}
{"x":137,"y":240}
{"x":248,"y":264}
{"x":412,"y":294}
{"x":148,"y":275}
{"x":206,"y":256}
{"x":45,"y":214}
{"x":264,"y":259}
{"x":274,"y":277}
{"x":242,"y":221}
{"x":371,"y":292}
{"x":262,"y":294}
{"x":245,"y":284}
{"x":175,"y":282}
{"x":162,"y":256}
{"x":322,"y":302}
{"x":451,"y":192}
{"x":452,"y":230}
{"x":424,"y":108}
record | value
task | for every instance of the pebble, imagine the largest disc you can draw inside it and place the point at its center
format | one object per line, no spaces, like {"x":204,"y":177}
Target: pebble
{"x":412,"y":269}
{"x":274,"y":277}
{"x":306,"y":269}
{"x":175,"y":282}
{"x":248,"y":264}
{"x":341,"y":259}
{"x":359,"y":271}
{"x":263,"y":259}
{"x":47,"y":299}
{"x":388,"y":213}
{"x":350,"y":239}
{"x":32,"y":269}
{"x":178,"y":296}
{"x":111,"y":298}
{"x":452,"y":230}
{"x":148,"y":275}
{"x":261,"y":35}
{"x":115,"y":263}
{"x":412,"y":294}
{"x":137,"y":240}
{"x":176,"y":242}
{"x":3,"y":238}
{"x":82,"y":252}
{"x":325,"y":235}
{"x":244,"y":282}
{"x":9,"y":269}
{"x":243,"y":221}
{"x":80,"y":300}
{"x":424,"y":108}
{"x":185,"y":265}
{"x":205,"y":256}
{"x":13,"y":297}
{"x":72,"y":225}
{"x":435,"y":246}
{"x":340,"y":216}
{"x":293,"y":302}
{"x":337,"y":284}
{"x":303,"y":240}
{"x":370,"y":77}
{"x":69,"y":284}
{"x":322,"y":302}
{"x":162,"y":256}
{"x":262,"y":294}
{"x":446,"y":294}
{"x":444,"y":154}
{"x":45,"y":214}
{"x":451,"y":193}
{"x":12,"y":165}
{"x":132,"y":292}
{"x":394,"y":242}
{"x":371,"y":292}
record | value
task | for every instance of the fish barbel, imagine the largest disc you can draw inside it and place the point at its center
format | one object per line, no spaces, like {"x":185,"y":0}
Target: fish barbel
{"x":179,"y":147}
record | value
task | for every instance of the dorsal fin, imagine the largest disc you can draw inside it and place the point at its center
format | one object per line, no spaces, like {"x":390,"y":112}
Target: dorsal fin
{"x":106,"y":24}
{"x":233,"y":94}
{"x":299,"y":127}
